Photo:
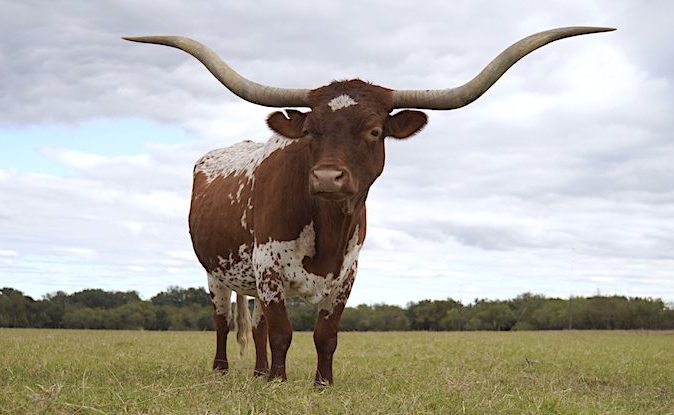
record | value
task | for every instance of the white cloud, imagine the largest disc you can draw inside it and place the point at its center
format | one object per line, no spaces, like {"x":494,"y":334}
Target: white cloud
{"x":76,"y":252}
{"x":86,"y":161}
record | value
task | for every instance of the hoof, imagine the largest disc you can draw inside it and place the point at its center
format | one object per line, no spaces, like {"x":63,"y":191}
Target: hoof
{"x":220,"y":366}
{"x":322,"y":383}
{"x":260,"y":373}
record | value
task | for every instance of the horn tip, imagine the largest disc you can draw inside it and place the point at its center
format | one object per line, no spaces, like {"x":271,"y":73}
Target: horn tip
{"x":151,"y":39}
{"x":597,"y":29}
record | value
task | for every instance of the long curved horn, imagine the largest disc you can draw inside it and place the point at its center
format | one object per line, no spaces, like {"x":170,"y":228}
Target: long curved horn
{"x":250,"y":91}
{"x":447,"y":99}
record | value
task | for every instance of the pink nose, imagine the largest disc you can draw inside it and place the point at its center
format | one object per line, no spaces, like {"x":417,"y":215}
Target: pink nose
{"x":329,"y":180}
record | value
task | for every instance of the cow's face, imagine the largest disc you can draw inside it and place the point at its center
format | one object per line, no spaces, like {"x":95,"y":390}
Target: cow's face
{"x":345,"y":130}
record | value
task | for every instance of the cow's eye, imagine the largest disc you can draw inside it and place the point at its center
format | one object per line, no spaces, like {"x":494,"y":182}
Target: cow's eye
{"x":374,"y":134}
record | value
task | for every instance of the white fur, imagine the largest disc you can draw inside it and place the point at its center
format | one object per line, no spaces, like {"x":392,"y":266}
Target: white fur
{"x":342,"y":101}
{"x":347,"y":274}
{"x":257,"y":313}
{"x":284,"y":258}
{"x":222,"y":295}
{"x":237,"y":275}
{"x":240,"y":158}
{"x":244,"y":224}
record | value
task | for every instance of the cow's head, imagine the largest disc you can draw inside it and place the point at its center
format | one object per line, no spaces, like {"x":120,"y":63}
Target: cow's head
{"x":349,"y":120}
{"x":345,"y":130}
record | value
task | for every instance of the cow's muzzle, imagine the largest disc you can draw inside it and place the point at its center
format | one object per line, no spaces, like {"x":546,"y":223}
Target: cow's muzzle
{"x":331,"y":182}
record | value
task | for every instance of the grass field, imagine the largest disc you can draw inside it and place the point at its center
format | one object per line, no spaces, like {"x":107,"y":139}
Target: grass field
{"x":113,"y":372}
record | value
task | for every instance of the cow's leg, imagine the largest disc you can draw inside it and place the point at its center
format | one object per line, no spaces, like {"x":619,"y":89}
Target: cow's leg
{"x":325,"y":339}
{"x":221,"y":299}
{"x":280,"y":335}
{"x":325,"y":331}
{"x":260,"y":339}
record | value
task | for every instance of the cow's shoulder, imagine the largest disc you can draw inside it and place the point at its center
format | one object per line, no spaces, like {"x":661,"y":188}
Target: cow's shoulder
{"x":223,"y":162}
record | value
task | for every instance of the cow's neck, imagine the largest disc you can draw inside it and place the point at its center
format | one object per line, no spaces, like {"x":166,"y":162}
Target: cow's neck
{"x":334,"y":226}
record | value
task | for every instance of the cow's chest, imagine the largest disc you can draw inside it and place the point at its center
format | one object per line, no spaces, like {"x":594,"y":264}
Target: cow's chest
{"x":280,"y":272}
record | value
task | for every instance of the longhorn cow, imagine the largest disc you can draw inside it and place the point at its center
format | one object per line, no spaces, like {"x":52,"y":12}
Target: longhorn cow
{"x":287,"y":217}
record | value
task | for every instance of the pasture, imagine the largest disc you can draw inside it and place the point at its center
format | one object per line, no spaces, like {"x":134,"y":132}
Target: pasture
{"x":113,"y":372}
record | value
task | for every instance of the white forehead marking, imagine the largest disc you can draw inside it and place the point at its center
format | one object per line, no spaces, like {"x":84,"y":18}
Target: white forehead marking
{"x":342,"y":101}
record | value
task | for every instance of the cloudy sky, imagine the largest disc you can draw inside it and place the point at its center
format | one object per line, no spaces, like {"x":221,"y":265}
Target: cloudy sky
{"x":559,"y":180}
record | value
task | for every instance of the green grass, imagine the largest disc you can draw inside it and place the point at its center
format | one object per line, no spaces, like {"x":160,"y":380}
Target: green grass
{"x":113,"y":372}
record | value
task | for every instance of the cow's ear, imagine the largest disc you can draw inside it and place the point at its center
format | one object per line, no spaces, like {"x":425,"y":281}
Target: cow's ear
{"x":405,"y":123}
{"x":290,"y":125}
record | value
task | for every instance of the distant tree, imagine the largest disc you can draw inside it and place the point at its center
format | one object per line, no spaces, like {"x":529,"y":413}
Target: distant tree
{"x":668,"y":318}
{"x":385,"y":317}
{"x":645,"y":313}
{"x":181,"y":297}
{"x":190,"y":309}
{"x":14,"y":308}
{"x":524,"y":306}
{"x":355,"y":318}
{"x":97,"y":298}
{"x":378,"y":317}
{"x":455,"y":319}
{"x":131,"y":316}
{"x":494,"y":315}
{"x":54,"y":309}
{"x":85,"y":318}
{"x":553,"y":314}
{"x":427,"y":314}
{"x":302,"y":316}
{"x":162,"y":319}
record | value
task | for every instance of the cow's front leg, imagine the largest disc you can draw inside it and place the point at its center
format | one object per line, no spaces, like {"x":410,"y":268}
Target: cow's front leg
{"x":271,"y":292}
{"x":325,"y":331}
{"x":280,"y":335}
{"x":325,"y":339}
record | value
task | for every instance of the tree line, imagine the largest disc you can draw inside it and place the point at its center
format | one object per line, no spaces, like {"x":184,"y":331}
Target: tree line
{"x":190,"y":309}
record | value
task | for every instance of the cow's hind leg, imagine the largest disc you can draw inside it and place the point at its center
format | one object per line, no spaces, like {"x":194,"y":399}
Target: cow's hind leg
{"x":260,"y":339}
{"x":221,"y":298}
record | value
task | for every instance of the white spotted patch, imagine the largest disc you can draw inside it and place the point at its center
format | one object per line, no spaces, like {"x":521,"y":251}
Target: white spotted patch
{"x":244,"y":225}
{"x":257,"y":313}
{"x":342,"y":101}
{"x":220,"y":296}
{"x":236,"y":274}
{"x":241,"y":158}
{"x":283,"y":259}
{"x":347,"y":274}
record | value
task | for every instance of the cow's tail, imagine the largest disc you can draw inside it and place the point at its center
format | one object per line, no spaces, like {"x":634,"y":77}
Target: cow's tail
{"x":243,"y":323}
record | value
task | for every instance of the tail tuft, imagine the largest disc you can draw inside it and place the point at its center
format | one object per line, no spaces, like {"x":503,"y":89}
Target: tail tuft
{"x":243,"y":323}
